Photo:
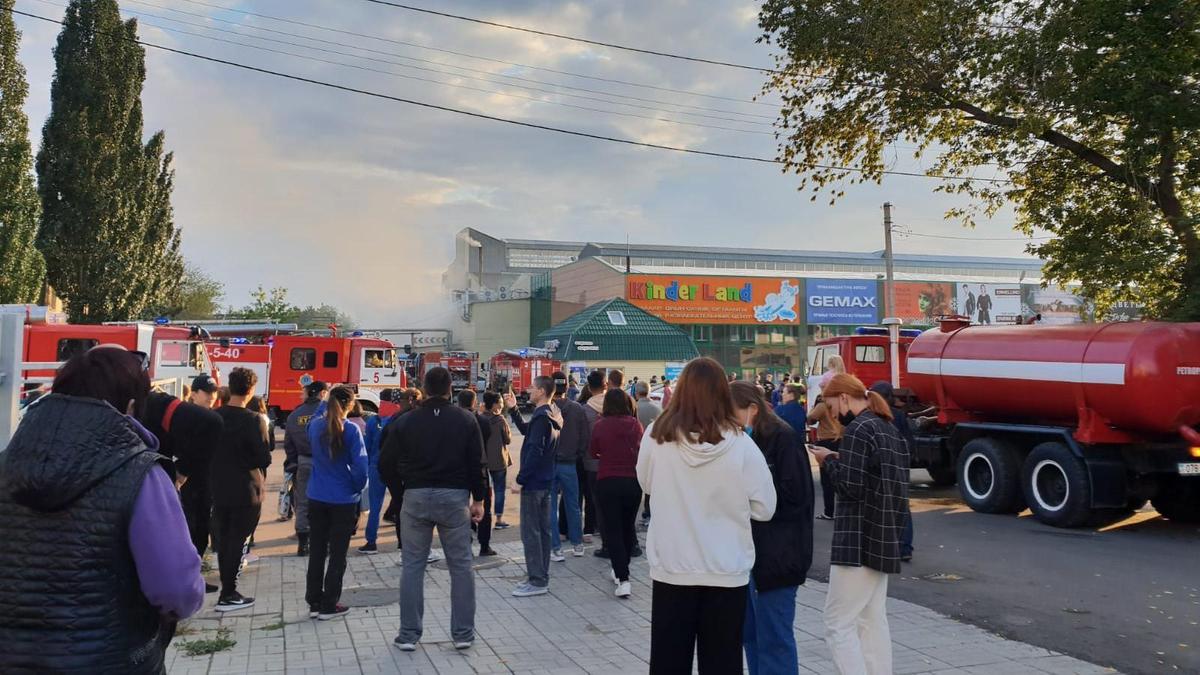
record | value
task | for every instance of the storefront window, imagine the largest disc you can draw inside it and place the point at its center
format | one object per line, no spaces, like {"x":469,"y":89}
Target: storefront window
{"x":702,"y":333}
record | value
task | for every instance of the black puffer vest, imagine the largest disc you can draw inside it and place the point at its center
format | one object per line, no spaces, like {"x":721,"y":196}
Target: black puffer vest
{"x":70,"y":601}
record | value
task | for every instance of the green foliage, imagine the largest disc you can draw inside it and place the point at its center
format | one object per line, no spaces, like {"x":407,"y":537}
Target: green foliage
{"x":1090,"y":108}
{"x":220,"y":643}
{"x":107,"y":234}
{"x":273,"y":305}
{"x":196,"y":296}
{"x":22,"y":268}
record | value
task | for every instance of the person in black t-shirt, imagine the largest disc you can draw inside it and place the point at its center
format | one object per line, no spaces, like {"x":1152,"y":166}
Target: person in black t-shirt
{"x":237,"y":479}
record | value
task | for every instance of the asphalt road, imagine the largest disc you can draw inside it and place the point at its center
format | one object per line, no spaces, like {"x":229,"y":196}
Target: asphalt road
{"x":1125,"y":595}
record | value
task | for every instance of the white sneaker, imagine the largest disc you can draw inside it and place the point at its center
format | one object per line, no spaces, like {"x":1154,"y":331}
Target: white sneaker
{"x":613,"y":575}
{"x":434,"y":556}
{"x":405,"y":646}
{"x":464,"y":644}
{"x":557,"y":556}
{"x":577,"y":551}
{"x":623,"y":589}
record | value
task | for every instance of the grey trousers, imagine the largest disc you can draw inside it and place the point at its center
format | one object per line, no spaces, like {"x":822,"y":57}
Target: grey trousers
{"x":300,"y":492}
{"x":447,"y":510}
{"x":535,"y":535}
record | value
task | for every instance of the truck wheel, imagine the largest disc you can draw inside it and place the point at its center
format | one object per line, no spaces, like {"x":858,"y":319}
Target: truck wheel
{"x":369,"y":406}
{"x":1056,"y":486}
{"x":989,"y":476}
{"x":942,"y":475}
{"x":1178,"y":500}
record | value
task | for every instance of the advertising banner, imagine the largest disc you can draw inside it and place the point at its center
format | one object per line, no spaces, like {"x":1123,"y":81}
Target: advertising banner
{"x":1054,"y":304}
{"x":920,"y":304}
{"x":988,"y":303}
{"x":842,"y":301}
{"x":716,"y":300}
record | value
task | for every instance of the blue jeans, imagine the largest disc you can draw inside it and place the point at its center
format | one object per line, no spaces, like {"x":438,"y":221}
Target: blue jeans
{"x":499,"y":486}
{"x":566,"y":483}
{"x":376,"y":491}
{"x":906,"y":535}
{"x":445,"y":509}
{"x":767,"y":636}
{"x":535,"y":535}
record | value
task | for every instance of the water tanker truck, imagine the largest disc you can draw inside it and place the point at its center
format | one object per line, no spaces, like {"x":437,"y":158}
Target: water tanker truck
{"x":1070,"y":420}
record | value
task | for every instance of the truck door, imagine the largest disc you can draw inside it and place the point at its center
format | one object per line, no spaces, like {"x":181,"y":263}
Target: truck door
{"x":378,"y":367}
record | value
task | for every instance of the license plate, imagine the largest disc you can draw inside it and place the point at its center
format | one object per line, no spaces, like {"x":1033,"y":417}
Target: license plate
{"x":1189,"y":468}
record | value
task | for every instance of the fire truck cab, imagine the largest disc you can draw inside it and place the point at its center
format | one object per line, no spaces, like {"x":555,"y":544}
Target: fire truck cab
{"x":368,"y":364}
{"x":866,"y":355}
{"x":516,"y":368}
{"x":463,"y":367}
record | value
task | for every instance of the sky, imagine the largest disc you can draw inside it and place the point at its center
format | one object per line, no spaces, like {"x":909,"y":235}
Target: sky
{"x":354,"y":200}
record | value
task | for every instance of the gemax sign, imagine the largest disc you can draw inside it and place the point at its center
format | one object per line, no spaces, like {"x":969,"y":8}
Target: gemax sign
{"x":842,"y":301}
{"x":717,"y":300}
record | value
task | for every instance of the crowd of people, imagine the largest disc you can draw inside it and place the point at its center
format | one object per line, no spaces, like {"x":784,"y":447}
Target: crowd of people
{"x":130,"y":488}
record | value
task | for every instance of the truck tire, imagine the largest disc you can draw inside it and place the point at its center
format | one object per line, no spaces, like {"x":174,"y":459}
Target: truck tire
{"x":989,"y":476}
{"x":1178,"y":500}
{"x":943,"y":475}
{"x":1057,"y":487}
{"x":368,"y":406}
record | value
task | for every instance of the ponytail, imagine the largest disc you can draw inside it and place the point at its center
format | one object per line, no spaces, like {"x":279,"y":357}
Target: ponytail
{"x":879,"y":406}
{"x":337,"y":406}
{"x":850,"y":385}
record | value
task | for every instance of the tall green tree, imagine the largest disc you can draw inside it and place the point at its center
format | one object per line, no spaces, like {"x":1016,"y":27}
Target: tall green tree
{"x":108,"y":236}
{"x":22,"y":268}
{"x":1091,"y":108}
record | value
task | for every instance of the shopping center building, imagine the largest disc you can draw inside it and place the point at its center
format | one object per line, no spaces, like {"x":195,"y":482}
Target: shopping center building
{"x":754,"y":310}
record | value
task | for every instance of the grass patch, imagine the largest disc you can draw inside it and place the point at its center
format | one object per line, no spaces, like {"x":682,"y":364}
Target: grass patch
{"x":278,"y":625}
{"x":220,"y":643}
{"x":181,"y":631}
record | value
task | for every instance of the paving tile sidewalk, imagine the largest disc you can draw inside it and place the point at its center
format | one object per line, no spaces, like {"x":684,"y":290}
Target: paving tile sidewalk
{"x":578,"y":628}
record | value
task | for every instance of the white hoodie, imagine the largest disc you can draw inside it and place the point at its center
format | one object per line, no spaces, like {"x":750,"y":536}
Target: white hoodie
{"x":703,"y":497}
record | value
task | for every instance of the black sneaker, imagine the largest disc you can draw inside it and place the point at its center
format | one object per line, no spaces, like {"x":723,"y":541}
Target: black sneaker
{"x":231,"y":603}
{"x":601,"y":553}
{"x":487,"y":552}
{"x":636,"y":552}
{"x":368,"y":549}
{"x":210,"y":588}
{"x":338,"y":610}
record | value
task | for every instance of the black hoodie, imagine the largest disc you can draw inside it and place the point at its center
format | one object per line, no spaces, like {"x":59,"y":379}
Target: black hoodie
{"x":436,"y":445}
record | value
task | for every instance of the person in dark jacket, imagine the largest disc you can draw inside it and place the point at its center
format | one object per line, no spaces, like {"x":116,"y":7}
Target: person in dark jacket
{"x":187,"y":433}
{"x":900,"y":419}
{"x":614,"y":443}
{"x":407,"y":400}
{"x":433,"y":456}
{"x":237,"y":479}
{"x":81,"y":478}
{"x":496,"y":449}
{"x":783,"y":544}
{"x":790,"y":409}
{"x":572,"y":448}
{"x":538,"y":457}
{"x":483,"y":528}
{"x":338,"y":478}
{"x":869,"y":470}
{"x":298,"y":456}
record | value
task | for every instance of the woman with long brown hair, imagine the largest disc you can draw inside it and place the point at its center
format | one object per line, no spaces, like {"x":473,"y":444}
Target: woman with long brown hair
{"x":707,"y":481}
{"x":782,"y":545}
{"x":338,"y":477}
{"x":870,"y":473}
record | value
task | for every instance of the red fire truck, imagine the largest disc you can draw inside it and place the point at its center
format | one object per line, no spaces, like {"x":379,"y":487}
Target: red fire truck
{"x":1072,"y":421}
{"x":516,"y":368}
{"x":176,"y":352}
{"x":866,"y":355}
{"x":463,"y":367}
{"x":287,"y":363}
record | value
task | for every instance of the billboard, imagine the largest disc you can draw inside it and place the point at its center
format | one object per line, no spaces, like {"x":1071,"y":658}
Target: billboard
{"x":717,"y":300}
{"x":919,"y":303}
{"x":988,"y":303}
{"x":1054,"y":304}
{"x":842,"y":301}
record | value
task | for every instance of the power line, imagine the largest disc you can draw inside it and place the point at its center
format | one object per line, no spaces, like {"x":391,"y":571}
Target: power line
{"x":598,"y":43}
{"x":507,"y":76}
{"x":505,"y":120}
{"x":417,"y":78}
{"x":477,"y":57}
{"x":910,"y":233}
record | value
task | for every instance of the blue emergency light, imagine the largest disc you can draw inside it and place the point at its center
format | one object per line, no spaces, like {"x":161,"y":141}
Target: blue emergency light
{"x":162,"y":321}
{"x":875,"y":330}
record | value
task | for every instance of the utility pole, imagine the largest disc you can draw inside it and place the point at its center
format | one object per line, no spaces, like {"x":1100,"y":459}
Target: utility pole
{"x":890,"y":283}
{"x":889,"y":313}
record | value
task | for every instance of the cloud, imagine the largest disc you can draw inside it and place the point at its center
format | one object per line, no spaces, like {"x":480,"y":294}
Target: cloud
{"x":355,"y":201}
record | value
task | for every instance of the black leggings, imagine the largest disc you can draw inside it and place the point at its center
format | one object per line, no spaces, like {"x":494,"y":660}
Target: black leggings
{"x":705,"y":620}
{"x":330,"y":527}
{"x":619,"y":499}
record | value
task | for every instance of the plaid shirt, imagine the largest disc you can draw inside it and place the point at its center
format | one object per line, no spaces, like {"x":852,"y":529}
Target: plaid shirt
{"x":870,"y":477}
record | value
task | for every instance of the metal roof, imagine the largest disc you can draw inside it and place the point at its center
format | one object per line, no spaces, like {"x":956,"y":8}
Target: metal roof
{"x":592,"y":334}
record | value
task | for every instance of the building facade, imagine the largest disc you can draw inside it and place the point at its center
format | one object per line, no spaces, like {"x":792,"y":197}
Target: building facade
{"x":759,"y":310}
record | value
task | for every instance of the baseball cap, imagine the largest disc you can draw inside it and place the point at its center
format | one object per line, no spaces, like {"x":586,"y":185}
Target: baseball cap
{"x":204,"y":382}
{"x":315,"y":388}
